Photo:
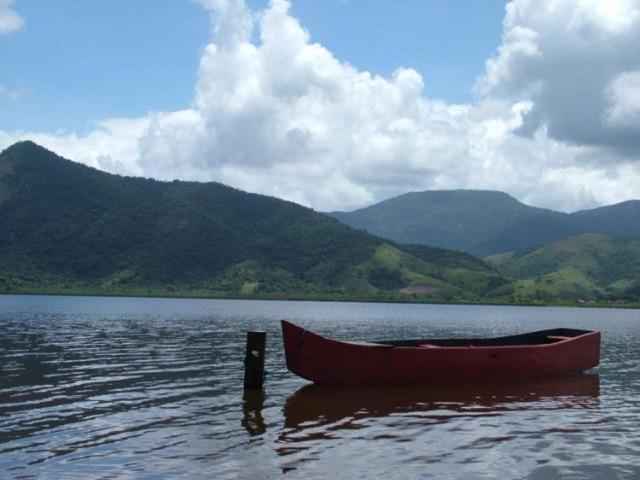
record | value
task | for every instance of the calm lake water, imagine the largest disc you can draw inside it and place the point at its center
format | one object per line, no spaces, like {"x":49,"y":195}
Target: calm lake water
{"x":152,"y":388}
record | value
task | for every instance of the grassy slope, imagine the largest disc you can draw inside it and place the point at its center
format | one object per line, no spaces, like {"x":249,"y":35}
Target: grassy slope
{"x":588,"y":267}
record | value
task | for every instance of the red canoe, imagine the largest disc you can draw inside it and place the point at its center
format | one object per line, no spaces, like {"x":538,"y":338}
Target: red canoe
{"x":557,"y":352}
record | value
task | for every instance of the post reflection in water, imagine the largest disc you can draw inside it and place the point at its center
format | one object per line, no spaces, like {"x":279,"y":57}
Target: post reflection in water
{"x":315,"y":413}
{"x":252,"y":405}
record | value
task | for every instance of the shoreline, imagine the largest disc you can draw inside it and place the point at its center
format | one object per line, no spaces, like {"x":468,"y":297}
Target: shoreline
{"x":317,"y":298}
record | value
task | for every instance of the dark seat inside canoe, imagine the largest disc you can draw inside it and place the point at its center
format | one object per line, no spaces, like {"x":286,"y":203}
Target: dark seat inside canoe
{"x":534,"y":338}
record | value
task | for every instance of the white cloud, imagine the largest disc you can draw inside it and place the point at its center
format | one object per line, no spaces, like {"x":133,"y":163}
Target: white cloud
{"x":113,"y":146}
{"x":565,"y":56}
{"x":275,"y":113}
{"x":10,"y":21}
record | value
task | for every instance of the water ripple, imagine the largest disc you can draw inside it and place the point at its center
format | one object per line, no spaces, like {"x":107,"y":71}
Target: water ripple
{"x":98,"y":388}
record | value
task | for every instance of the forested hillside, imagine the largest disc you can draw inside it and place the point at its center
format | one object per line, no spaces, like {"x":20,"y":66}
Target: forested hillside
{"x":68,"y":227}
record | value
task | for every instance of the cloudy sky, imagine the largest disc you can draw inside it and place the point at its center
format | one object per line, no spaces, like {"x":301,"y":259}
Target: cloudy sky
{"x":335,"y":104}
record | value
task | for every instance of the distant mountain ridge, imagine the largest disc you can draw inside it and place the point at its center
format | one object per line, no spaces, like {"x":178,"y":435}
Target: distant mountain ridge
{"x":68,"y":227}
{"x":484,"y":222}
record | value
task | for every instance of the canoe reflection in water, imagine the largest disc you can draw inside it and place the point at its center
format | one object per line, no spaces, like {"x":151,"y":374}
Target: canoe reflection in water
{"x":318,"y":411}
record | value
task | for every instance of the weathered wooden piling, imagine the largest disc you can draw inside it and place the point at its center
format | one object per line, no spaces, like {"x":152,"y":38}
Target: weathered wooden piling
{"x":254,"y":359}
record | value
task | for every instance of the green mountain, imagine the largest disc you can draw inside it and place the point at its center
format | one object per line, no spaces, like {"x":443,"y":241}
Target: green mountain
{"x":70,"y":228}
{"x":484,"y":222}
{"x":456,"y":219}
{"x":588,"y":267}
{"x":621,"y":220}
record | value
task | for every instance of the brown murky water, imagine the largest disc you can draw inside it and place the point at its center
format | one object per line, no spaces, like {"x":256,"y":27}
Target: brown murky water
{"x":151,"y":388}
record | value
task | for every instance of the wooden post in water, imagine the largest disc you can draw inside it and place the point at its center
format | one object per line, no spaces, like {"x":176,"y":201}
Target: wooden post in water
{"x":254,"y":359}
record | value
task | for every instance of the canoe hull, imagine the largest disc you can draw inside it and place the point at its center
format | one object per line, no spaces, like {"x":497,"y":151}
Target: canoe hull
{"x":327,"y":361}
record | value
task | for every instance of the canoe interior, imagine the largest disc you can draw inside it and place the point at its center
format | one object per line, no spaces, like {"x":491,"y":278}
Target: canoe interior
{"x":540,"y":337}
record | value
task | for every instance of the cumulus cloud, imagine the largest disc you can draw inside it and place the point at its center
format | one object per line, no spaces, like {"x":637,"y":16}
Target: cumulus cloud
{"x":10,"y":20}
{"x":275,"y":113}
{"x":575,"y":59}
